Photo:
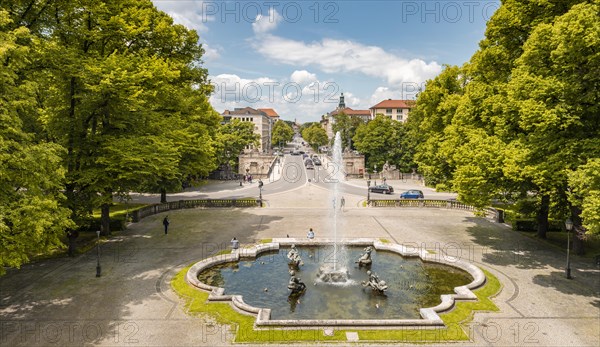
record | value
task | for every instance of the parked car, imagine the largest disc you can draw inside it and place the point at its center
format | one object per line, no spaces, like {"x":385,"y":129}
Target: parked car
{"x":382,"y":188}
{"x":412,"y":194}
{"x":316,"y":161}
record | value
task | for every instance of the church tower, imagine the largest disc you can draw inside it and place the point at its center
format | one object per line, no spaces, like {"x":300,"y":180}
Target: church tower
{"x":342,"y":104}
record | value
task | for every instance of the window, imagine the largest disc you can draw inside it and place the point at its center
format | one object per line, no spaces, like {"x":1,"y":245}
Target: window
{"x":399,"y":111}
{"x":388,"y":111}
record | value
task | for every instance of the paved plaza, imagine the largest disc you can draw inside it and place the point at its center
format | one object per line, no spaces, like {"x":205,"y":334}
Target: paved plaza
{"x":60,"y":302}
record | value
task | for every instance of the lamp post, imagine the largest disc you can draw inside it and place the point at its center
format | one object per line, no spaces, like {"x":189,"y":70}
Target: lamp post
{"x":569,"y":227}
{"x":368,"y":192}
{"x":98,"y":268}
{"x":260,"y":185}
{"x":375,"y":173}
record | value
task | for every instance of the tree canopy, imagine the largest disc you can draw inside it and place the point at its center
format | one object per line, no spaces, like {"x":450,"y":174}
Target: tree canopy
{"x":98,"y":98}
{"x":520,"y":119}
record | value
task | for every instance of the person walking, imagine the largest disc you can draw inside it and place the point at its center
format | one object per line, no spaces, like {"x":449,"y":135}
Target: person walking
{"x":342,"y":203}
{"x":166,"y":224}
{"x":310,"y":234}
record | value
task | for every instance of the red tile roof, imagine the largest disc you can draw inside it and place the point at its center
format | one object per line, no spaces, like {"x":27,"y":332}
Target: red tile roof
{"x":389,"y":103}
{"x":269,"y":111}
{"x":350,"y":112}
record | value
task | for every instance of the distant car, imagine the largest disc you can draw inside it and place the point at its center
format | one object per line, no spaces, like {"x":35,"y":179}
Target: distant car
{"x":412,"y":194}
{"x":309,"y":165}
{"x":304,"y":155}
{"x":382,"y":188}
{"x":316,"y":161}
{"x":295,"y":153}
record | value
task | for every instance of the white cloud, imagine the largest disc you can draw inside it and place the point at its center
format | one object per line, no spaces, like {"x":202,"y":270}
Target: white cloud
{"x":190,"y":14}
{"x":292,"y":100}
{"x":334,"y":56}
{"x":303,"y":77}
{"x":211,"y":53}
{"x":352,"y":101}
{"x":264,"y":24}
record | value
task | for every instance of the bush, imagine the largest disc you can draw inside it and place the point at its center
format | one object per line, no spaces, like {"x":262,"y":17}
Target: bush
{"x":532,"y":225}
{"x":96,"y":224}
{"x":441,"y":187}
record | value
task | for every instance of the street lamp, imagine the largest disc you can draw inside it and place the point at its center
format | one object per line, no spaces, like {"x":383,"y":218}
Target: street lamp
{"x":260,"y":185}
{"x":375,"y":172}
{"x":98,"y":268}
{"x":368,"y":192}
{"x":569,"y":227}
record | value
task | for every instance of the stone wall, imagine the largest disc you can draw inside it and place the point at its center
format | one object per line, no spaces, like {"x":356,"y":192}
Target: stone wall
{"x":354,"y":164}
{"x":255,"y":164}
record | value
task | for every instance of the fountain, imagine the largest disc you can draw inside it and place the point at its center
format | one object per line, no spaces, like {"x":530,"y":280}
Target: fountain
{"x":338,"y":295}
{"x":365,"y":259}
{"x":333,"y":272}
{"x":294,"y":257}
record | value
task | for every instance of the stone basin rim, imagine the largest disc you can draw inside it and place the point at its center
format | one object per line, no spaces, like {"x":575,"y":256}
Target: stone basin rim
{"x":429,"y":315}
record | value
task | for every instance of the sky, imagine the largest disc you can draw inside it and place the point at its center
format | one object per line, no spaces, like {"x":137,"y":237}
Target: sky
{"x":298,"y":56}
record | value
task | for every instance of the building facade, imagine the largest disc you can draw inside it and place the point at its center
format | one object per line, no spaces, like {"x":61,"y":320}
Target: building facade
{"x":328,"y":120}
{"x":263,"y":125}
{"x":397,"y":110}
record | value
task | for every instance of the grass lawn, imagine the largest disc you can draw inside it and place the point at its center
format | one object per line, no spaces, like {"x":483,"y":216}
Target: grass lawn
{"x":456,"y":320}
{"x":119,"y":209}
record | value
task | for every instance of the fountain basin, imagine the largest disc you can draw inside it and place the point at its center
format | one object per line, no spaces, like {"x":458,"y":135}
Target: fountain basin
{"x":264,"y":317}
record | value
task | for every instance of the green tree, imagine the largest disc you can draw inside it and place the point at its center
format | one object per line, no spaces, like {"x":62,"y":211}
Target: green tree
{"x":555,"y":86}
{"x":282,"y":133}
{"x":428,"y":123}
{"x":347,"y":126}
{"x":585,"y":194}
{"x":32,"y":216}
{"x":233,"y":137}
{"x":384,"y":140}
{"x":123,"y":90}
{"x":315,"y":135}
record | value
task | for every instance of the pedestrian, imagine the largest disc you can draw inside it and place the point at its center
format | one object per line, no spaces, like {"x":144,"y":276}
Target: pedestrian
{"x":310,"y":234}
{"x":342,"y":203}
{"x":235,"y":244}
{"x":384,"y":180}
{"x":166,"y":224}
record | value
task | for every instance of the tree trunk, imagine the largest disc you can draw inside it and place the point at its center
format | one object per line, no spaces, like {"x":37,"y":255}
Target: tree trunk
{"x":105,"y":219}
{"x":578,"y":231}
{"x":163,"y":195}
{"x":542,"y":216}
{"x":577,"y":239}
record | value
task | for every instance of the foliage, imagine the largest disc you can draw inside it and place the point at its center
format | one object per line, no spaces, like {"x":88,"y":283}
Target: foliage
{"x":282,"y":133}
{"x":347,"y":126}
{"x":521,"y":115}
{"x":307,"y":125}
{"x":121,"y":88}
{"x":32,"y":215}
{"x":585,"y":185}
{"x":315,"y":135}
{"x":428,"y":121}
{"x":384,"y":140}
{"x":233,"y":137}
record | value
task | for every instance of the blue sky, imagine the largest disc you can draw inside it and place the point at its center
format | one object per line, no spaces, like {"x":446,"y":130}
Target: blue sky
{"x":298,"y":56}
